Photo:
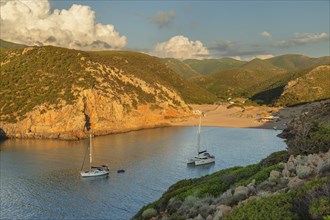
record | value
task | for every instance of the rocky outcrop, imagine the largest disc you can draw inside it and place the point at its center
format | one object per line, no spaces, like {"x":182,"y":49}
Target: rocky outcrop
{"x":50,"y":92}
{"x":95,"y":111}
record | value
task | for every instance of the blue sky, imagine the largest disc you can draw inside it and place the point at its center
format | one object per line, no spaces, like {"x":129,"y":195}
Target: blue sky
{"x":197,"y":29}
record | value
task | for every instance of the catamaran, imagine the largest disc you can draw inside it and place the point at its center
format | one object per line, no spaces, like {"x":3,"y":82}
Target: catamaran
{"x":203,"y":157}
{"x":93,"y":170}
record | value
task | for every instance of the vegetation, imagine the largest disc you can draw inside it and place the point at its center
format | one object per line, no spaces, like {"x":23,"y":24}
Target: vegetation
{"x":209,"y":66}
{"x":152,"y":69}
{"x":315,"y":139}
{"x":216,"y":183}
{"x":273,"y":208}
{"x":307,"y":202}
{"x":55,"y":76}
{"x":181,"y":68}
{"x":310,"y":87}
{"x":8,"y":45}
{"x":265,"y":80}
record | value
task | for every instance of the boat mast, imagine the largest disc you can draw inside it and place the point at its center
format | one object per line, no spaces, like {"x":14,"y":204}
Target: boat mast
{"x":199,"y":133}
{"x":90,"y":150}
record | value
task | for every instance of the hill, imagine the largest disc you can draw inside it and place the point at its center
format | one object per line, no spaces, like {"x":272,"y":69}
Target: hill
{"x":209,"y":66}
{"x":181,"y":68}
{"x":8,"y":45}
{"x":261,"y":80}
{"x":52,"y":92}
{"x":292,"y":62}
{"x":314,"y":85}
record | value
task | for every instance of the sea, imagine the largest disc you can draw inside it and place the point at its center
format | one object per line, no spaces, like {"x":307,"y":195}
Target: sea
{"x":40,"y":179}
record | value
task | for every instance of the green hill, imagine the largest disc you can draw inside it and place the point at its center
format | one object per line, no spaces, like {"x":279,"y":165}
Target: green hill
{"x":314,"y":85}
{"x":208,"y":66}
{"x":181,"y":68}
{"x":262,"y":80}
{"x":37,"y":75}
{"x":153,"y":69}
{"x":293,"y":62}
{"x":8,"y":45}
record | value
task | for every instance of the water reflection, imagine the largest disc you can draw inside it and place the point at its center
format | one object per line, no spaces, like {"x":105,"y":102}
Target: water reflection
{"x":40,"y":178}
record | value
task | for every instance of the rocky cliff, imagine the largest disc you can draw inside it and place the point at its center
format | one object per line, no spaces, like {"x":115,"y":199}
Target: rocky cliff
{"x":49,"y":92}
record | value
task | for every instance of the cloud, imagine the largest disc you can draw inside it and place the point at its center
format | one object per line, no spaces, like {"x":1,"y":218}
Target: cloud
{"x":32,"y":23}
{"x":182,"y":48}
{"x":302,"y":39}
{"x":266,"y":35}
{"x":235,"y":49}
{"x":163,"y":19}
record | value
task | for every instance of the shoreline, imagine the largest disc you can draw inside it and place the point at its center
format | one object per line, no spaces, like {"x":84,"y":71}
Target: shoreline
{"x":247,"y":117}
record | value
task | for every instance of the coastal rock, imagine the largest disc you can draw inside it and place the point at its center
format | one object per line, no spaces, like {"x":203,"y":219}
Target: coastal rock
{"x":222,"y":210}
{"x":295,"y":182}
{"x":266,"y":186}
{"x":291,"y":164}
{"x":199,"y":217}
{"x":227,"y":197}
{"x":323,"y":167}
{"x":286,"y":172}
{"x":275,"y":173}
{"x":92,"y":109}
{"x":209,"y":217}
{"x":241,"y":193}
{"x":251,"y":187}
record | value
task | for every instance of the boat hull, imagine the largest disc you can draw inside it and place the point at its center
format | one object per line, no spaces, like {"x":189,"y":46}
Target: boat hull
{"x":204,"y":161}
{"x":93,"y":173}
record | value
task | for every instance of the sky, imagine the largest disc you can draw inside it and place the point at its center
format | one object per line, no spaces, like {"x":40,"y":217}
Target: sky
{"x":180,"y":29}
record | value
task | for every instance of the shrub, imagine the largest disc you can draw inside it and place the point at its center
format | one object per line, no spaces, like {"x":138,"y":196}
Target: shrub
{"x":148,"y":213}
{"x":320,"y":207}
{"x":312,"y":139}
{"x":275,"y":158}
{"x":273,"y":207}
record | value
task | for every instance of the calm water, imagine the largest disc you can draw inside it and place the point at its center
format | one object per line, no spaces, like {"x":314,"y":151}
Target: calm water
{"x":40,"y":178}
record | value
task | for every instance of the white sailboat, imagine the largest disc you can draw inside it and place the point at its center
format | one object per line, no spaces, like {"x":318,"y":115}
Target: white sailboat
{"x":203,"y":157}
{"x":93,"y":170}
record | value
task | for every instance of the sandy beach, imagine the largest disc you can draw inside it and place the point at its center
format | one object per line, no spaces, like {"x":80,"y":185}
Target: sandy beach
{"x":249,"y":117}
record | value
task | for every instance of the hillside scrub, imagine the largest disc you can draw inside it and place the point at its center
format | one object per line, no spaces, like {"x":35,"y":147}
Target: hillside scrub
{"x":310,"y":131}
{"x":55,"y":77}
{"x":214,"y":184}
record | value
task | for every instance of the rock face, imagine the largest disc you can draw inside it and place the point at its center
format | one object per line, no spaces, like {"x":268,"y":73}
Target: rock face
{"x":49,"y":92}
{"x":101,"y":114}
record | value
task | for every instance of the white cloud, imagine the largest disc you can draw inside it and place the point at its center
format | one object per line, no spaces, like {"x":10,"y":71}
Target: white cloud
{"x":264,"y":56}
{"x":266,"y":35}
{"x":31,"y":22}
{"x":182,"y":48}
{"x":301,"y":39}
{"x":163,"y":19}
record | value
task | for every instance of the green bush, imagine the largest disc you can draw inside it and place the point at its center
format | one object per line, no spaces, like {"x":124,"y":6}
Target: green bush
{"x":320,"y":207}
{"x":316,"y":139}
{"x":271,"y":208}
{"x":148,"y":213}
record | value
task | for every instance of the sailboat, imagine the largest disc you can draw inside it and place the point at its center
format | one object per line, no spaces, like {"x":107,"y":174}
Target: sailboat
{"x":203,"y":157}
{"x":93,"y":170}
